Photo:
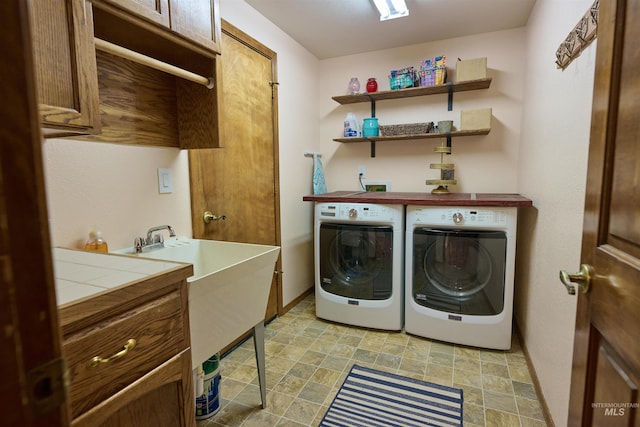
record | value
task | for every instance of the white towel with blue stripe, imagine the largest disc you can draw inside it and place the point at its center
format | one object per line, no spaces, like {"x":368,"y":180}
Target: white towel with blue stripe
{"x":319,"y":184}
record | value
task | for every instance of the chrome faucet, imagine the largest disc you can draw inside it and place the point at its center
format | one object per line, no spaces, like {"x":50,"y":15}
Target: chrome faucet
{"x":152,"y":241}
{"x":158,"y":228}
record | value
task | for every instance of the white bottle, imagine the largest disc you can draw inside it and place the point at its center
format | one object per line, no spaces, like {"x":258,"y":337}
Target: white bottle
{"x":351,"y":126}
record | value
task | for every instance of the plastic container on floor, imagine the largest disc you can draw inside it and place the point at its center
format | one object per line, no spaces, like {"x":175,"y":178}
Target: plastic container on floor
{"x":208,"y":400}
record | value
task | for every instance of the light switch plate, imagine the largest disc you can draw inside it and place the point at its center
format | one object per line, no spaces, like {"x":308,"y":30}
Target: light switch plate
{"x":165,"y":181}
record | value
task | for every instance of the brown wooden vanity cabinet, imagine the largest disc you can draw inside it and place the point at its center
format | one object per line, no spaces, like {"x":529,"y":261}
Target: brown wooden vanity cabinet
{"x":115,"y":383}
{"x":65,"y":66}
{"x":197,"y":21}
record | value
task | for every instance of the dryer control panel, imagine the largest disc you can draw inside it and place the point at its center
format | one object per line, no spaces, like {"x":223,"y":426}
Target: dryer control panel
{"x":459,"y":216}
{"x":359,"y":212}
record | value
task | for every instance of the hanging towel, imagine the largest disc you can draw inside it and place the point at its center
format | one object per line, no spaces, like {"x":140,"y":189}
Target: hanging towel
{"x":319,"y":184}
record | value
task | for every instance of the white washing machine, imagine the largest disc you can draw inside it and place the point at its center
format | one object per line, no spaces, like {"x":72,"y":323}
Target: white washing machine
{"x":459,"y":274}
{"x":359,"y":264}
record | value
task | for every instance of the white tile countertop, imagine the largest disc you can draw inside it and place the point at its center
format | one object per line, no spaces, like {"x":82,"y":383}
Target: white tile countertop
{"x":79,"y":274}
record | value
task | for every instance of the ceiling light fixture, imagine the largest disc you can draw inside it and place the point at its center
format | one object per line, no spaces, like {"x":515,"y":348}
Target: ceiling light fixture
{"x":390,"y":9}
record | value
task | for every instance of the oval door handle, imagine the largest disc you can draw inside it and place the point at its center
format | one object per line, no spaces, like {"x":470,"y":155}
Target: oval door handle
{"x":582,"y":279}
{"x":97,"y":360}
{"x":208,"y":216}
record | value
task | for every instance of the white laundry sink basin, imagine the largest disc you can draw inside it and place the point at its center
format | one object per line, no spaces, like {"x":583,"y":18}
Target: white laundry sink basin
{"x":228,"y":292}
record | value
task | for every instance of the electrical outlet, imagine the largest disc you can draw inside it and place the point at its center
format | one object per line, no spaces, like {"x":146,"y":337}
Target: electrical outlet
{"x":362,"y":172}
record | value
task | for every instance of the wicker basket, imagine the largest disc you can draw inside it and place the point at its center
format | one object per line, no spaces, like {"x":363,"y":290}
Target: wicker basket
{"x":406,"y":129}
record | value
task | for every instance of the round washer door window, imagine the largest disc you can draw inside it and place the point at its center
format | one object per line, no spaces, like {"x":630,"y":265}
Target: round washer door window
{"x":353,"y":257}
{"x":457,"y":266}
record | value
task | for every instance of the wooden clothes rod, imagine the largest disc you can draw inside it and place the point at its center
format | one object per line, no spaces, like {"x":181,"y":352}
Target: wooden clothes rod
{"x":122,"y":52}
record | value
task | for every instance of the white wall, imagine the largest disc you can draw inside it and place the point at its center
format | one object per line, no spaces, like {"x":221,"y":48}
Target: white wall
{"x":112,"y":187}
{"x":482,"y":163}
{"x":552,"y":172}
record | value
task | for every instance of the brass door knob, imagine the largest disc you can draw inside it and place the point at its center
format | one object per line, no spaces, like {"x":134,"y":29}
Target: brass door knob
{"x":582,"y":279}
{"x":207,"y":217}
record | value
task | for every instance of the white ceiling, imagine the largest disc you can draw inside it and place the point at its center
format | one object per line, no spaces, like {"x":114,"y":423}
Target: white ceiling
{"x":331,"y":28}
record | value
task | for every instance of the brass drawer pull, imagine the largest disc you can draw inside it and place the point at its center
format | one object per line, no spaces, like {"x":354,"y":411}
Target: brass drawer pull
{"x":97,"y":360}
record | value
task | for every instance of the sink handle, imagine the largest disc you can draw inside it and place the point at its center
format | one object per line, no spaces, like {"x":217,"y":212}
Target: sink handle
{"x":209,"y":216}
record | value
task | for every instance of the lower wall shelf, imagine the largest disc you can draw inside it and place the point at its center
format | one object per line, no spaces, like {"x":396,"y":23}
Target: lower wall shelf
{"x":434,"y":135}
{"x":417,"y":136}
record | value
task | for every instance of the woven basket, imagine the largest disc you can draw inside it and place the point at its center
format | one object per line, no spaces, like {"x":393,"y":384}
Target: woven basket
{"x":406,"y":129}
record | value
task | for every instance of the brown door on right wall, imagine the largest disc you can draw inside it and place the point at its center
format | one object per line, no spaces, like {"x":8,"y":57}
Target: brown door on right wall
{"x":606,"y":360}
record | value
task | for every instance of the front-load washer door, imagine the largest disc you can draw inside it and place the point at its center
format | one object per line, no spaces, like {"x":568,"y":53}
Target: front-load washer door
{"x":356,"y":261}
{"x":459,"y":271}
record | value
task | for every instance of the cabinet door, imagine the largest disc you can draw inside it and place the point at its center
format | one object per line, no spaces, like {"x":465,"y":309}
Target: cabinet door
{"x":153,"y":10}
{"x":65,"y":66}
{"x":162,"y":398}
{"x":198,"y":21}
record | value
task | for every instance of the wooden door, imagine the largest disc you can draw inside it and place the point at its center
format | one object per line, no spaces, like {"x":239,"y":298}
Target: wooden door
{"x":240,"y":180}
{"x":31,"y":367}
{"x":606,"y":361}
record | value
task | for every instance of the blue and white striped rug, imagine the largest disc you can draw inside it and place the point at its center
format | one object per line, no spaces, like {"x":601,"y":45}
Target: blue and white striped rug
{"x":372,"y":398}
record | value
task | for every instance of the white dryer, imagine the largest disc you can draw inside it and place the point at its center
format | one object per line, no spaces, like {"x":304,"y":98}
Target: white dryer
{"x":359,"y":264}
{"x":459,"y":274}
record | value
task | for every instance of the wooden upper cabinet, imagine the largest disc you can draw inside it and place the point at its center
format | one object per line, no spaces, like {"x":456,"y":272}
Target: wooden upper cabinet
{"x":197,"y":20}
{"x":153,"y":10}
{"x":65,"y":67}
{"x":194,"y":21}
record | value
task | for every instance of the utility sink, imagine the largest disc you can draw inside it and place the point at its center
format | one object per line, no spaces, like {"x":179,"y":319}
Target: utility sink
{"x":228,"y":292}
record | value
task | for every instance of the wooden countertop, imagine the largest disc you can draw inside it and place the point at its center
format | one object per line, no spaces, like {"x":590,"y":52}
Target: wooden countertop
{"x":407,"y":198}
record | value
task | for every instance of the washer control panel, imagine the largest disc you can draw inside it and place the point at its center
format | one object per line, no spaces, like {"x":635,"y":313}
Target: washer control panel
{"x":358,"y":212}
{"x":460,"y":217}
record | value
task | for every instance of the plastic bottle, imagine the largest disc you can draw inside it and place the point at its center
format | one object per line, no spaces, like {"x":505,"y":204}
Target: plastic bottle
{"x":96,"y":243}
{"x":351,"y":126}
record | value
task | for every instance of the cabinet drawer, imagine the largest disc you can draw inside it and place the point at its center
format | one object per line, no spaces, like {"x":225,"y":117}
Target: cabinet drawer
{"x":159,"y":331}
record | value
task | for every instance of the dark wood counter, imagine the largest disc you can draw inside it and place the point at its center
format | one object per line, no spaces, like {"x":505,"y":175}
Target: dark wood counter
{"x":402,"y":198}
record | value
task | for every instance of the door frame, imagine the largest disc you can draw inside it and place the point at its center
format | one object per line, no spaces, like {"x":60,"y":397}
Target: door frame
{"x":31,"y":342}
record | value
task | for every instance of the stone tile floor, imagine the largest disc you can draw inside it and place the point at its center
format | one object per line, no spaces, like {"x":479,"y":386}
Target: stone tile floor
{"x":308,"y":358}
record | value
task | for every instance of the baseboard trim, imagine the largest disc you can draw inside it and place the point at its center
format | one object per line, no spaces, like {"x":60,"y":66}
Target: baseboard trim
{"x":295,"y":302}
{"x":534,"y":378}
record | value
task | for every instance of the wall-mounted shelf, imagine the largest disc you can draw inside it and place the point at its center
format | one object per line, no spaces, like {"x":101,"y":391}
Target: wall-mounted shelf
{"x":414,"y":91}
{"x":448,"y":88}
{"x":450,"y":135}
{"x":418,"y":136}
